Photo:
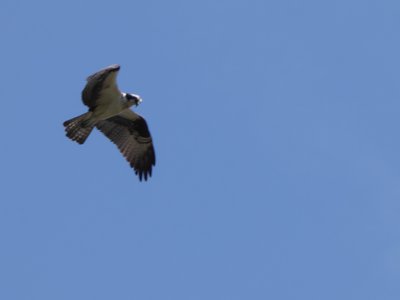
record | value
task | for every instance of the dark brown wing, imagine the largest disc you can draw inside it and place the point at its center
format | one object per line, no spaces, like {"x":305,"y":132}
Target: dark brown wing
{"x":130,"y":133}
{"x":97,"y":82}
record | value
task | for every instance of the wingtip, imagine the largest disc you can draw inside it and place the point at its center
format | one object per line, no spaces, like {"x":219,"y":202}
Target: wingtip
{"x":143,"y":175}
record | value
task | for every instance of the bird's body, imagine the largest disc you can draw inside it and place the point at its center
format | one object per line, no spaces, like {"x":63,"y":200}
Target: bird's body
{"x":109,"y":111}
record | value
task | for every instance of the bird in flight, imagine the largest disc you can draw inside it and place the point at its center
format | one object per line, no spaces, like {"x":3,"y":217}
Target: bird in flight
{"x":109,"y":111}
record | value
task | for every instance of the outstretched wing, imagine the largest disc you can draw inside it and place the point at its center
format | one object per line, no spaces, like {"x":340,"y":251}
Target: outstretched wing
{"x":130,"y":133}
{"x":99,"y":83}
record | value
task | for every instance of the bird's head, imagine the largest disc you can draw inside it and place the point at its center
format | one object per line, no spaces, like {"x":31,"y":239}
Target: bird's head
{"x":132,"y":99}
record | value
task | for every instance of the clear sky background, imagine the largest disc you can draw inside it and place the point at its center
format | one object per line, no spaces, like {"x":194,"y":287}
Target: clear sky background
{"x":276,"y":126}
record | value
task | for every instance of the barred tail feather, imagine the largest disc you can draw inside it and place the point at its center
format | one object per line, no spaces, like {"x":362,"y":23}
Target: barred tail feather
{"x":77,"y":128}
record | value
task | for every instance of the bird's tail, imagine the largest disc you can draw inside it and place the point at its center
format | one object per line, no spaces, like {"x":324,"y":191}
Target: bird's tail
{"x":78,"y":128}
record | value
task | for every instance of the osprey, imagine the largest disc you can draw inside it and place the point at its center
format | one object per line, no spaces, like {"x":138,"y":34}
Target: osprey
{"x":109,"y":111}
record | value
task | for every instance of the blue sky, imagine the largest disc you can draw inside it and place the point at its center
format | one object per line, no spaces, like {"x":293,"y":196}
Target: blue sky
{"x":276,"y":127}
